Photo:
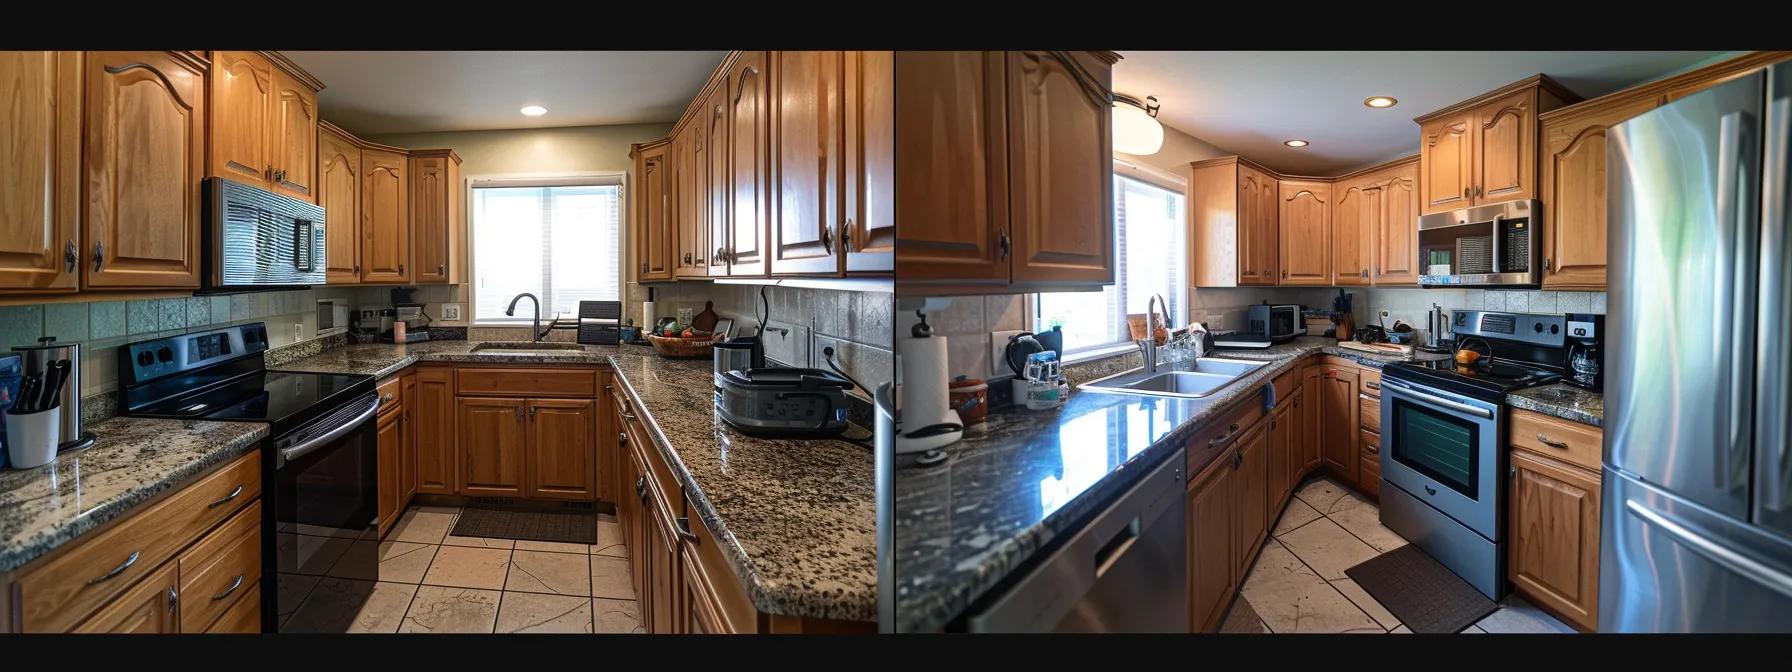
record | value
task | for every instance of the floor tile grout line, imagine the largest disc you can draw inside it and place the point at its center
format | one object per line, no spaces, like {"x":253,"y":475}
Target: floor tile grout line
{"x":1303,"y":563}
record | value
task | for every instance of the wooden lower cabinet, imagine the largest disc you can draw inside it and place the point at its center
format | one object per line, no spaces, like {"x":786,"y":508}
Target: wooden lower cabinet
{"x":430,"y":401}
{"x":1339,"y":421}
{"x":1284,"y":452}
{"x":562,"y":449}
{"x":1212,"y":514}
{"x":1252,"y":483}
{"x":388,"y":444}
{"x":150,"y":607}
{"x":1310,"y":406}
{"x":407,"y":451}
{"x":1554,"y":537}
{"x":1369,"y":469}
{"x":490,"y":435}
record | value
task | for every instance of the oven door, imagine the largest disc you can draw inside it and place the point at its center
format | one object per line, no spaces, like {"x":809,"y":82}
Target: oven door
{"x":1443,"y":449}
{"x":325,"y":498}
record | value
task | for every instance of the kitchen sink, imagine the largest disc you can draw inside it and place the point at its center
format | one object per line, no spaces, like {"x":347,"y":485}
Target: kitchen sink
{"x":1205,"y":377}
{"x":525,"y":348}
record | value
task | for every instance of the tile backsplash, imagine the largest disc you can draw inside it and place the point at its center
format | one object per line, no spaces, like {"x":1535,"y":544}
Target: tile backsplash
{"x":801,"y":322}
{"x":1411,"y":304}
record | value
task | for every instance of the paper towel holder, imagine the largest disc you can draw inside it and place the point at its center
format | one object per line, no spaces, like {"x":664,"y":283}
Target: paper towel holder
{"x":923,"y":429}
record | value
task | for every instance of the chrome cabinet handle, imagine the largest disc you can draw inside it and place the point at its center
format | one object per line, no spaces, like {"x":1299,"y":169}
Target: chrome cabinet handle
{"x":238,"y":583}
{"x":846,"y":235}
{"x":279,"y":176}
{"x":641,"y":488}
{"x":226,"y":500}
{"x":99,"y":256}
{"x":441,"y":269}
{"x":532,"y":412}
{"x":622,"y":438}
{"x":401,"y":269}
{"x":1553,"y":444}
{"x":70,"y":257}
{"x":684,"y":529}
{"x":827,"y":240}
{"x":1372,"y":386}
{"x":385,"y":397}
{"x":116,"y":570}
{"x":1223,"y":437}
{"x":173,"y":599}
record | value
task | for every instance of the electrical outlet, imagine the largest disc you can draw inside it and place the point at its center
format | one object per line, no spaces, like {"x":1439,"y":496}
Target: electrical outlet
{"x":1216,"y":321}
{"x":451,"y":311}
{"x":998,"y":347}
{"x":298,"y":332}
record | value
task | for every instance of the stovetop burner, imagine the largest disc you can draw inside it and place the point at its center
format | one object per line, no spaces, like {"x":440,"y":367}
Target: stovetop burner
{"x":1488,"y":380}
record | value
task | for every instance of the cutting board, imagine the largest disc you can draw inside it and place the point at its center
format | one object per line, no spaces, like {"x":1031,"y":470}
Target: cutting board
{"x":1378,"y":348}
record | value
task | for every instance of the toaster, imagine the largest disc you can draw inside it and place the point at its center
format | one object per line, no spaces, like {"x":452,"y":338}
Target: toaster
{"x":782,"y":402}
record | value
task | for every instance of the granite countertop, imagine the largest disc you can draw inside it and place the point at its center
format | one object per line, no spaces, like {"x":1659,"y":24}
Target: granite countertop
{"x":1012,"y":485}
{"x":796,"y":519}
{"x":132,"y":461}
{"x":1563,"y":401}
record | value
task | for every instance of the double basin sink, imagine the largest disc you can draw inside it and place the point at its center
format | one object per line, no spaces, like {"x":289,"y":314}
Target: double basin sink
{"x":1201,"y":379}
{"x":528,"y":349}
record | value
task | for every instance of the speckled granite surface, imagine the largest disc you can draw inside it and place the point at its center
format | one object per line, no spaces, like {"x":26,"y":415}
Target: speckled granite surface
{"x":797,"y":519}
{"x":1016,"y":482}
{"x":133,"y":460}
{"x":1563,"y":401}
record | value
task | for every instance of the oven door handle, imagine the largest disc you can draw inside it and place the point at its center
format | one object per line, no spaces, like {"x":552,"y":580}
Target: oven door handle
{"x":298,"y":451}
{"x":1434,"y":399}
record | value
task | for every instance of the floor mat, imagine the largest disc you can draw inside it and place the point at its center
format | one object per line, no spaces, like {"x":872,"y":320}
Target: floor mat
{"x":573,"y":527}
{"x":1423,"y":594}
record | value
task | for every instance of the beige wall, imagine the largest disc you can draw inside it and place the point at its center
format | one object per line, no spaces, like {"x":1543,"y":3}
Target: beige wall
{"x":1178,"y":151}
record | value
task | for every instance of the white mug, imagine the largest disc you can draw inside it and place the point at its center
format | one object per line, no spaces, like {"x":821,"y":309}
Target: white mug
{"x":31,"y":439}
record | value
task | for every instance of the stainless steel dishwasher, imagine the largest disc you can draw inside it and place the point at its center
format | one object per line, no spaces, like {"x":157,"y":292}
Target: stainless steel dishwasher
{"x":1125,"y":571}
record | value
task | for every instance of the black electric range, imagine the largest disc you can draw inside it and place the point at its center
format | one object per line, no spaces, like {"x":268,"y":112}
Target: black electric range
{"x":1482,"y":380}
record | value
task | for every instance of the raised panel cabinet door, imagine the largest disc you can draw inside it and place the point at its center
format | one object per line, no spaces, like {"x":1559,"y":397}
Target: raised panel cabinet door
{"x":1573,"y":193}
{"x":687,"y":170}
{"x":152,"y":607}
{"x":385,"y":217}
{"x":1356,"y":207}
{"x":562,"y":457}
{"x":429,"y":217}
{"x":388,"y":440}
{"x":749,"y":163}
{"x":145,"y":160}
{"x":242,"y":94}
{"x":1446,"y":162}
{"x":407,"y":450}
{"x":1505,"y":148}
{"x":1061,"y":167}
{"x":653,"y":212}
{"x":717,"y":194}
{"x":869,"y":233}
{"x":1211,"y":542}
{"x":1284,"y":431}
{"x":1555,"y":537}
{"x":339,"y":194}
{"x":1338,"y":433}
{"x":1311,"y":405}
{"x":808,"y":156}
{"x":40,"y":190}
{"x":667,"y":587}
{"x":952,"y":172}
{"x":492,"y":439}
{"x":433,"y":433}
{"x":1397,"y":229}
{"x":1305,"y":217}
{"x":1267,"y":227}
{"x":293,"y":145}
{"x":1252,"y":478}
{"x":1247,"y":218}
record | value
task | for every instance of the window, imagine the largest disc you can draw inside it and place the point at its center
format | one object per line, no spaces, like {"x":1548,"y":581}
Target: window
{"x":1150,"y":235}
{"x":559,"y":239}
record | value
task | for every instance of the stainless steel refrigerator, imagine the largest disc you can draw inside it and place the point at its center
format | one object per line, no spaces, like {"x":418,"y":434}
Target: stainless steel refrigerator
{"x":1697,"y":515}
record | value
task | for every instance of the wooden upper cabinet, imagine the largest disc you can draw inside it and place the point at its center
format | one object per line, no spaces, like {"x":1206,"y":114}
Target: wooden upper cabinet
{"x":952,"y":177}
{"x":1573,"y":193}
{"x":1232,"y":213}
{"x":339,"y":194}
{"x":1554,"y":537}
{"x":1265,"y":227}
{"x":869,"y":233}
{"x":562,"y":459}
{"x":653,"y":212}
{"x":691,"y":238}
{"x":242,"y":93}
{"x":1061,"y":170}
{"x":1357,"y":208}
{"x":1396,"y":255}
{"x":437,"y":215}
{"x":385,"y":217}
{"x":1446,"y":156}
{"x":144,"y":162}
{"x":1305,"y":216}
{"x":749,"y":149}
{"x":40,"y":190}
{"x":717,"y":194}
{"x":808,"y":113}
{"x":1506,"y":148}
{"x":491,"y":439}
{"x":293,"y":144}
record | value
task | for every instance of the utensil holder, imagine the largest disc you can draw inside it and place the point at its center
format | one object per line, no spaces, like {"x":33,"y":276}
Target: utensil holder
{"x":32,"y":438}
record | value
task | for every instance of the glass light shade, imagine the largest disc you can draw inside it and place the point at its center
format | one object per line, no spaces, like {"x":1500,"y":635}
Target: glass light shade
{"x":1136,"y":132}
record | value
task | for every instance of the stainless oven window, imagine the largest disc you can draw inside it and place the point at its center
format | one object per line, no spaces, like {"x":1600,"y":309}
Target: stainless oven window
{"x":1440,"y":446}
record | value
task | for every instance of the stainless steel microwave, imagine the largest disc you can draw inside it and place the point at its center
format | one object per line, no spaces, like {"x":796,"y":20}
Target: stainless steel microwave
{"x":256,"y":239}
{"x":1494,"y":245}
{"x":1278,"y":323}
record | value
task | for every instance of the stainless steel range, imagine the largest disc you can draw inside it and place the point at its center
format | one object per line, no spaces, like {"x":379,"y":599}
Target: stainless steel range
{"x":1443,"y":438}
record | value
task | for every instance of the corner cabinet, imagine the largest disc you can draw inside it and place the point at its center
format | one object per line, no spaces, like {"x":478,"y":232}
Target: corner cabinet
{"x":438,"y":216}
{"x":1304,"y":211}
{"x":41,"y":138}
{"x":385,"y":217}
{"x":430,"y":400}
{"x":1232,"y":224}
{"x":143,"y":164}
{"x":1484,"y":150}
{"x":653,"y":212}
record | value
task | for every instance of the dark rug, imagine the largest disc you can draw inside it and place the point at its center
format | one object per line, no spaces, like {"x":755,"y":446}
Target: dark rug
{"x":1423,"y":594}
{"x":573,"y":527}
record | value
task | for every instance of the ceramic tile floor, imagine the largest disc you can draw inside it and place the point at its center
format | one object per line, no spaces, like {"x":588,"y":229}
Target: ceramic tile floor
{"x":431,"y":581}
{"x":1298,"y":582}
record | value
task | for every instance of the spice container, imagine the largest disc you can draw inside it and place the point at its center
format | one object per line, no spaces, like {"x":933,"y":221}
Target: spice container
{"x":969,"y":398}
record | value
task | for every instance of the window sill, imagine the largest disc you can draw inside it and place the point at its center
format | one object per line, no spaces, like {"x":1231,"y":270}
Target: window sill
{"x":1093,"y":354}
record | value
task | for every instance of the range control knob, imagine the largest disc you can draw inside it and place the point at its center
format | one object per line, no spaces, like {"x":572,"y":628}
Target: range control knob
{"x":145,"y":358}
{"x":165,"y":354}
{"x":1554,"y":329}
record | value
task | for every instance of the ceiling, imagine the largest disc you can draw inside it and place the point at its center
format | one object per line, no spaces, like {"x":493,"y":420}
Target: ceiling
{"x":380,"y":92}
{"x":1249,"y":102}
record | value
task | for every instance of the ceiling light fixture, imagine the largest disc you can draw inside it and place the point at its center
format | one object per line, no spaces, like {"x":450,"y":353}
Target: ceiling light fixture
{"x":1136,"y":130}
{"x":534,"y":110}
{"x":1295,"y":143}
{"x":1380,"y":101}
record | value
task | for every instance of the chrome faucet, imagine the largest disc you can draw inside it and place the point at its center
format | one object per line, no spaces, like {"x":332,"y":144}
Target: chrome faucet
{"x":1148,"y":353}
{"x":535,"y":331}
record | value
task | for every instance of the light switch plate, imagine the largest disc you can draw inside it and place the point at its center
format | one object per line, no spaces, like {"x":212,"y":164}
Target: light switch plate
{"x":998,"y":346}
{"x":451,"y":311}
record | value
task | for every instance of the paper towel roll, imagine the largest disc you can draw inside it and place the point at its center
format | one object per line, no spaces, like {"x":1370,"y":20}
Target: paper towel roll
{"x":647,"y":318}
{"x":924,"y":399}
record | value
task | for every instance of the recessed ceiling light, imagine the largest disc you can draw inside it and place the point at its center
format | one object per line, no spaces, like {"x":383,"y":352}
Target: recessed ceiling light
{"x":1380,"y":101}
{"x":534,"y":110}
{"x":1295,"y":143}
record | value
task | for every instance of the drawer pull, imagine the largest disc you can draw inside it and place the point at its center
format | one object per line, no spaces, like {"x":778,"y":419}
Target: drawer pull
{"x":1223,"y":437}
{"x":1372,"y":386}
{"x":684,"y":529}
{"x":226,"y":500}
{"x":116,"y":570}
{"x":1553,"y":444}
{"x":641,"y":488}
{"x":238,"y":583}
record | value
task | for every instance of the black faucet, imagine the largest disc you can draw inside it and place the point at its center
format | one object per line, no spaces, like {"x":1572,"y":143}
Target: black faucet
{"x":535,"y":330}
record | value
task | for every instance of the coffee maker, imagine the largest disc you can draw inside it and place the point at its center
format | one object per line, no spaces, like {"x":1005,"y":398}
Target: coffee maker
{"x":1586,"y":351}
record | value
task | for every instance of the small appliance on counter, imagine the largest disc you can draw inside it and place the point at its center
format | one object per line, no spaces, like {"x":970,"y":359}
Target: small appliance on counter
{"x":1277,"y":323}
{"x":600,"y":322}
{"x":1239,"y":340}
{"x":58,"y":370}
{"x":409,"y":323}
{"x":1586,"y":351}
{"x":1042,"y":387}
{"x":925,"y":418}
{"x":777,"y":402}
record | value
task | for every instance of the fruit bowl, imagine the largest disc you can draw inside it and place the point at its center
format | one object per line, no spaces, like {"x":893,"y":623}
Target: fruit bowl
{"x":675,"y":347}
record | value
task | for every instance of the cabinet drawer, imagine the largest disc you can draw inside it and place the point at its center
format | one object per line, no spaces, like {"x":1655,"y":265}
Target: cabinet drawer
{"x":1571,"y":442}
{"x":1369,"y":412}
{"x":217,"y":571}
{"x":528,"y":382}
{"x":712,"y":578}
{"x":64,"y":590}
{"x":244,"y":617}
{"x":1369,"y":478}
{"x":1285,"y":384}
{"x":664,"y":482}
{"x":1369,"y":382}
{"x":391,"y":394}
{"x":1221,"y":432}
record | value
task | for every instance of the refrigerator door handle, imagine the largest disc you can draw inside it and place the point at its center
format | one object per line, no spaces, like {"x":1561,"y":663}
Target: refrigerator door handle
{"x":1773,"y":431}
{"x":1735,"y":219}
{"x":1741,"y":564}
